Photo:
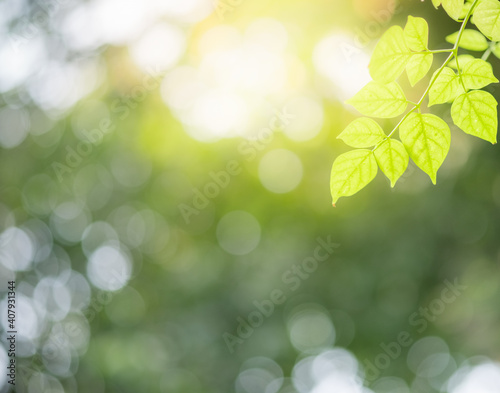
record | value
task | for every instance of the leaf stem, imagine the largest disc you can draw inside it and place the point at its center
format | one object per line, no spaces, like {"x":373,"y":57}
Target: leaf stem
{"x":459,"y":37}
{"x":488,"y":51}
{"x":440,"y":51}
{"x":452,"y":53}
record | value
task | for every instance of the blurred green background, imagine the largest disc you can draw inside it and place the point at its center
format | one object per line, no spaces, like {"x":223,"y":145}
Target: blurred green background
{"x":165,"y":207}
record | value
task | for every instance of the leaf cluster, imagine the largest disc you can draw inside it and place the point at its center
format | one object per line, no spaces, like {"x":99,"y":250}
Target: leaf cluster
{"x":423,"y":137}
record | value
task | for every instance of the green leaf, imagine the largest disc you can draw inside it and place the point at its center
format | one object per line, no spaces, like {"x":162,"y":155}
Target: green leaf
{"x":380,"y":100}
{"x":392,"y":158}
{"x":362,"y":132}
{"x":390,"y":56}
{"x":462,"y":61}
{"x":487,"y":19}
{"x":496,"y":50}
{"x":427,"y":138}
{"x":436,"y":3}
{"x":453,"y":8}
{"x":418,"y":67}
{"x":475,"y":113}
{"x":416,"y":34}
{"x":465,"y":10}
{"x":470,"y":40}
{"x":446,"y":87}
{"x":351,"y":172}
{"x":478,"y":74}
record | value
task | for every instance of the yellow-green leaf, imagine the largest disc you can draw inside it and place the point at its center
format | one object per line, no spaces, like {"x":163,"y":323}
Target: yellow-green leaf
{"x":470,"y":40}
{"x":446,"y":87}
{"x":380,"y":100}
{"x":418,"y":67}
{"x":362,"y":132}
{"x":427,"y":138}
{"x":487,"y":18}
{"x":496,"y":50}
{"x":478,"y":74}
{"x":351,"y":172}
{"x":453,"y":8}
{"x":462,"y":61}
{"x":392,"y":158}
{"x":465,"y":10}
{"x":416,"y":33}
{"x":475,"y":113}
{"x":390,"y":56}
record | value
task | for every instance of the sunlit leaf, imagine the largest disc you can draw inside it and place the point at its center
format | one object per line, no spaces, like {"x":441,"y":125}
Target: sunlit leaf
{"x":478,"y":74}
{"x":470,"y":40}
{"x":416,"y":34}
{"x":380,"y":100}
{"x":362,"y":132}
{"x":351,"y":172}
{"x":465,"y":10}
{"x":453,"y":8}
{"x":446,"y":87}
{"x":496,"y":50}
{"x":392,"y":158}
{"x":427,"y":139}
{"x":475,"y":113}
{"x":487,"y":18}
{"x":462,"y":61}
{"x":390,"y":56}
{"x":418,"y":67}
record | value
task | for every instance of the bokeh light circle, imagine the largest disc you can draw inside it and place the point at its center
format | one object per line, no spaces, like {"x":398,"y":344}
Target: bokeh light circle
{"x":14,"y":125}
{"x":280,"y":171}
{"x":259,"y":375}
{"x":109,"y":268}
{"x":428,"y":357}
{"x":159,"y":48}
{"x":238,"y":232}
{"x":16,"y":249}
{"x":310,"y":328}
{"x":482,"y":378}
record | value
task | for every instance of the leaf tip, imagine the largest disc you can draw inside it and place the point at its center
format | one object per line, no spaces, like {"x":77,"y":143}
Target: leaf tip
{"x":335,"y":198}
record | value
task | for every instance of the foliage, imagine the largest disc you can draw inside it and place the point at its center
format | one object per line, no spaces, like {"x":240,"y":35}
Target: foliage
{"x":425,"y":137}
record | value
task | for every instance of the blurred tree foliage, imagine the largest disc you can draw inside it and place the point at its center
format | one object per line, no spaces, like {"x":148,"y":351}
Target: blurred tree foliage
{"x":163,"y":331}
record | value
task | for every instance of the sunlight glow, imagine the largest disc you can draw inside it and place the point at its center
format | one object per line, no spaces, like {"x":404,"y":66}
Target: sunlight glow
{"x":220,"y":113}
{"x":338,"y":59}
{"x":159,"y":48}
{"x":236,"y":76}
